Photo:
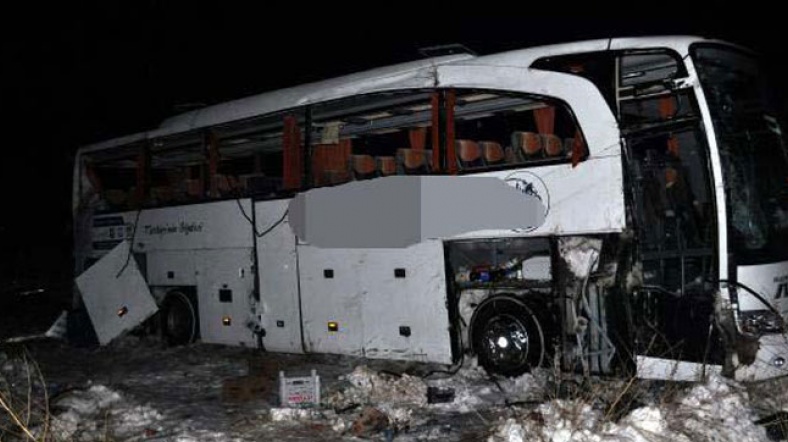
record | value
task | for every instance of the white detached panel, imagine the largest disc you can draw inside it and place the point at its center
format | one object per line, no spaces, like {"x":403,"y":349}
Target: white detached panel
{"x":115,"y":294}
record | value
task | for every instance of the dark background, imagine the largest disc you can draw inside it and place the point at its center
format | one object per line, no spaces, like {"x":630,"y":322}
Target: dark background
{"x":75,"y":75}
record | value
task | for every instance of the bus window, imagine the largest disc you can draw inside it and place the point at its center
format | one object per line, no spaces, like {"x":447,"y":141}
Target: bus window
{"x":371,"y":136}
{"x":495,"y":130}
{"x":644,"y":93}
{"x":254,"y":154}
{"x":177,"y":172}
{"x":111,"y":179}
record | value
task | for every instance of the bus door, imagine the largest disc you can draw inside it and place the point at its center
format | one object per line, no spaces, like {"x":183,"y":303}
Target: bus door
{"x":672,"y":207}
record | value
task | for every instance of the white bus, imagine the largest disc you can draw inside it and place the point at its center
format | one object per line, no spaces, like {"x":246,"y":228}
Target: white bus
{"x":609,"y":206}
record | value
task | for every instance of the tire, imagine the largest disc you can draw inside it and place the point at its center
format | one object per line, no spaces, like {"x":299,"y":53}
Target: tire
{"x":179,"y":323}
{"x":507,"y":336}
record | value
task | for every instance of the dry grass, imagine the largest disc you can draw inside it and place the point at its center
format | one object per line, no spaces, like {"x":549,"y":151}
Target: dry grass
{"x":24,"y":400}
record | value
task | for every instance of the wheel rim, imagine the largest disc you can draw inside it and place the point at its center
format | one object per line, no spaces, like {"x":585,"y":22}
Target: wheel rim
{"x":505,"y":341}
{"x":179,"y":321}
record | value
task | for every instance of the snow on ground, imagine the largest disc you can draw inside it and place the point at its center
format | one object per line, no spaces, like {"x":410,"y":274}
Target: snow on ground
{"x":714,"y":411}
{"x":138,"y":390}
{"x":98,"y":411}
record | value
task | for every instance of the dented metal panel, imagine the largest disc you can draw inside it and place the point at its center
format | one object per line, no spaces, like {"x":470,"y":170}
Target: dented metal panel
{"x":115,"y":294}
{"x":225,"y":284}
{"x":277,"y":273}
{"x":386,"y":303}
{"x":331,"y":293}
{"x":405,"y":306}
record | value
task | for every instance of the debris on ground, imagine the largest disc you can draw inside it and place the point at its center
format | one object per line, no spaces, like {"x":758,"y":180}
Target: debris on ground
{"x":366,"y":386}
{"x":371,"y":421}
{"x":135,"y":391}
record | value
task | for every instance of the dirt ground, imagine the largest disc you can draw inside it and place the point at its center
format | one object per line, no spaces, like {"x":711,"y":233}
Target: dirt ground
{"x":185,"y":386}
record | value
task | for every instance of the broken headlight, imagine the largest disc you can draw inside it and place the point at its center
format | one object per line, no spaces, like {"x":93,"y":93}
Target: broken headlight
{"x":760,"y":322}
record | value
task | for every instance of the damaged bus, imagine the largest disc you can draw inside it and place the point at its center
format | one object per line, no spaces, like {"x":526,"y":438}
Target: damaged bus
{"x":609,"y":206}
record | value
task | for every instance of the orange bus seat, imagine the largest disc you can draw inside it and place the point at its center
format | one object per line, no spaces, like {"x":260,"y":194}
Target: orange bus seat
{"x":468,"y":154}
{"x":386,"y":166}
{"x":413,"y":162}
{"x":363,"y":166}
{"x":493,"y":152}
{"x":526,"y":144}
{"x":553,"y":146}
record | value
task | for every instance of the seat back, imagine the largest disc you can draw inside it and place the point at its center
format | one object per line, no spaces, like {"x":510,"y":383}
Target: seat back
{"x":363,"y":166}
{"x":413,"y":162}
{"x":492,"y":152}
{"x":527,"y":144}
{"x":468,"y":154}
{"x":553,"y":146}
{"x":386,"y":165}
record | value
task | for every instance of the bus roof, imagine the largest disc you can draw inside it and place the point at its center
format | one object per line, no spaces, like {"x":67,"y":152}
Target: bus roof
{"x":377,"y":78}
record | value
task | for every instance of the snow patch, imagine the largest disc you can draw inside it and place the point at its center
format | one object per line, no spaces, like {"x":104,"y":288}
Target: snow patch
{"x":293,"y":414}
{"x":715,"y":411}
{"x":99,"y":411}
{"x":474,"y":389}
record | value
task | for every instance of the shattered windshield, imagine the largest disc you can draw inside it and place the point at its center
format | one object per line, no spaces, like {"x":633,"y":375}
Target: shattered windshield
{"x":752,"y":153}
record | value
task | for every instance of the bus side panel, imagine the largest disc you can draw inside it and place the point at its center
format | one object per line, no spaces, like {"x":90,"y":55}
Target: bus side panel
{"x":215,"y":242}
{"x":277,"y":274}
{"x":225,"y":286}
{"x":218,"y":225}
{"x":171,"y":268}
{"x":385,"y":303}
{"x":588,"y":198}
{"x":331,"y":295}
{"x":405,"y":308}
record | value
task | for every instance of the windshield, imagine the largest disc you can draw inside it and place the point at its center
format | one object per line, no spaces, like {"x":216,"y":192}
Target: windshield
{"x":752,"y":153}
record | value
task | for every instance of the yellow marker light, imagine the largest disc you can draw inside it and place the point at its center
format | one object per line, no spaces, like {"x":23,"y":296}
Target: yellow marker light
{"x":226,"y":321}
{"x":333,"y":326}
{"x":122,"y":311}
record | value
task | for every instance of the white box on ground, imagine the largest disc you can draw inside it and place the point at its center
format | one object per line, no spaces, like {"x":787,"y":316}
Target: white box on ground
{"x":300,"y":391}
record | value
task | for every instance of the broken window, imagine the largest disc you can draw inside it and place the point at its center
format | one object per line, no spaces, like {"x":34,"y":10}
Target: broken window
{"x":752,"y":153}
{"x":499,"y":130}
{"x":111,"y":179}
{"x":372,"y":136}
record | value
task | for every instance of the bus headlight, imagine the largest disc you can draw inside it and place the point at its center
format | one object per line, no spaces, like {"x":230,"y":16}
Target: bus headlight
{"x":759,"y":322}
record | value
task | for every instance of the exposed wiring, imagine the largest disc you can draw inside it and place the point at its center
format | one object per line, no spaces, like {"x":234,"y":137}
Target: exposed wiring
{"x":753,"y":293}
{"x":131,"y":245}
{"x":254,"y":225}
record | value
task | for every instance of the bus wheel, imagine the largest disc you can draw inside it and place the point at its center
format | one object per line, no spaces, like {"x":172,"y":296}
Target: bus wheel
{"x":179,"y":324}
{"x":507,"y":336}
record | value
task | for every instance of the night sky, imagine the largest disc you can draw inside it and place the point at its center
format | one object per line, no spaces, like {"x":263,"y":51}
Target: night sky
{"x":81,"y":74}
